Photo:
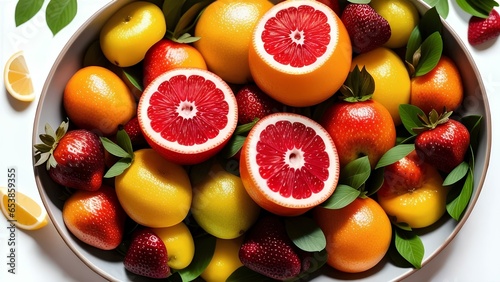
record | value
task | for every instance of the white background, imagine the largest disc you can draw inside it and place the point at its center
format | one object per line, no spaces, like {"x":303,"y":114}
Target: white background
{"x":43,"y":256}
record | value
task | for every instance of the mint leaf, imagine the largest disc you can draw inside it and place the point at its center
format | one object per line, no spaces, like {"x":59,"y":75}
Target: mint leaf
{"x":305,"y":233}
{"x":395,"y":154}
{"x":59,"y":14}
{"x":410,"y":247}
{"x":26,"y":9}
{"x":341,"y":197}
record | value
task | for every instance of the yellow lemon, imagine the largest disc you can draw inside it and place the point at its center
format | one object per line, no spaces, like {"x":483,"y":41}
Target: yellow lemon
{"x":392,"y":81}
{"x":224,"y":261}
{"x":17,"y":78}
{"x":22,"y":210}
{"x":131,"y":31}
{"x":179,"y":243}
{"x":402,"y":16}
{"x":225,"y":29}
{"x":221,"y":205}
{"x":154,"y":192}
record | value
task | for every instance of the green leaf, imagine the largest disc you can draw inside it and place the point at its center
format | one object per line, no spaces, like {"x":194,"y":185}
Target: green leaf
{"x":375,"y":181}
{"x":442,"y":7}
{"x":204,"y":248}
{"x":26,"y":9}
{"x":118,"y":168}
{"x":113,"y":148}
{"x":134,"y":78}
{"x":473,"y":124}
{"x":456,"y":174}
{"x":395,"y":154}
{"x":356,"y":172}
{"x":60,"y":13}
{"x":457,"y":205}
{"x":410,"y":246}
{"x":305,"y":234}
{"x":190,"y":16}
{"x":245,"y":274}
{"x":430,"y":54}
{"x":233,"y":146}
{"x":123,"y":140}
{"x":414,"y":42}
{"x":430,"y":23}
{"x":409,"y":117}
{"x":245,"y":128}
{"x":341,"y":197}
{"x":172,"y":10}
{"x":478,"y":8}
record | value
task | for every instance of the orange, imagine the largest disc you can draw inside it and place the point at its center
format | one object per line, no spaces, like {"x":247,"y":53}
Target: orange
{"x":357,"y":236}
{"x":300,"y":62}
{"x":17,"y":78}
{"x":97,"y":99}
{"x":441,"y":87}
{"x":225,"y":29}
{"x":289,"y":164}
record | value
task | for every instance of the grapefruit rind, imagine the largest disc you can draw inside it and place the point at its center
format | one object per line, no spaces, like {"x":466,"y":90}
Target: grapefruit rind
{"x":257,"y":187}
{"x":187,"y":153}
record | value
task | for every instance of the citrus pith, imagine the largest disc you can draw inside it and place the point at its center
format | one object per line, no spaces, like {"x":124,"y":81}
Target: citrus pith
{"x":300,"y":53}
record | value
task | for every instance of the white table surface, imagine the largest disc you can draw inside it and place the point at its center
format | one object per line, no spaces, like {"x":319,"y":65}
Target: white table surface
{"x":43,"y":256}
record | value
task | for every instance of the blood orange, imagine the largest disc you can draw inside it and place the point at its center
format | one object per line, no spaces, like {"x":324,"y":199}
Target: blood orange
{"x":289,"y":164}
{"x":300,"y":53}
{"x":187,"y":115}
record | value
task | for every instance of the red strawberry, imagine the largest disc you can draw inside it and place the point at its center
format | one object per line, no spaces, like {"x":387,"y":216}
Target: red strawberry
{"x":254,"y":103}
{"x":95,"y":217}
{"x":74,"y":159}
{"x":481,"y":30}
{"x":367,"y":29}
{"x":147,"y":255}
{"x":442,"y":142}
{"x":134,"y":132}
{"x":268,"y":250}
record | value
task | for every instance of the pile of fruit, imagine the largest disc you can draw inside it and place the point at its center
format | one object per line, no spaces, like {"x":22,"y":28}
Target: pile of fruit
{"x":234,"y":140}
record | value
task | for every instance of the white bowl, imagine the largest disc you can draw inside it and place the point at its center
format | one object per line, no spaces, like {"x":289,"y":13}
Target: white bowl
{"x":109,"y":264}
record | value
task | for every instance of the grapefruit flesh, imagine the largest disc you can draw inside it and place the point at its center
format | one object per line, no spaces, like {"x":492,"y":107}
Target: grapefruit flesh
{"x":289,"y":164}
{"x":187,"y":115}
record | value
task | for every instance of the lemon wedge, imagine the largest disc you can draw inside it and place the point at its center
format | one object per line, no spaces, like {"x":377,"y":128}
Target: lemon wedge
{"x":22,"y":210}
{"x":17,"y":78}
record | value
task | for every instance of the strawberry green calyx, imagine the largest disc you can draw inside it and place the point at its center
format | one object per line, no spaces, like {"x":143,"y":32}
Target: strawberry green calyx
{"x":432,"y":120}
{"x":50,"y":139}
{"x":358,"y":86}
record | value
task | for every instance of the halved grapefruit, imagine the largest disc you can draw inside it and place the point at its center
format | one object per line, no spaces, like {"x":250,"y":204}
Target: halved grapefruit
{"x":300,"y":53}
{"x":187,"y":115}
{"x":289,"y":164}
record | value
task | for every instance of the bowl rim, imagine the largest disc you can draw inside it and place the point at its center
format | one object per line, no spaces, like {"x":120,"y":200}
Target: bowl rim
{"x":487,"y":135}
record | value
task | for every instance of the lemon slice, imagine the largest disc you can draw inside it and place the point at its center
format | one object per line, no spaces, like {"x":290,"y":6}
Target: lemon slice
{"x":22,"y":210}
{"x":17,"y":78}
